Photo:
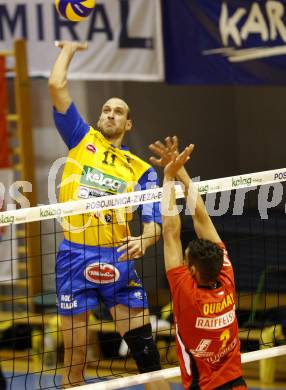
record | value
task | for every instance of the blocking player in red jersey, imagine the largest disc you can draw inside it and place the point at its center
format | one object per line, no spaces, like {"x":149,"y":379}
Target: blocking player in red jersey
{"x":201,"y":282}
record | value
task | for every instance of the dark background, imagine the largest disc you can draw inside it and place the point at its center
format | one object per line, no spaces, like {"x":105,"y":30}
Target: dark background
{"x":236,"y":130}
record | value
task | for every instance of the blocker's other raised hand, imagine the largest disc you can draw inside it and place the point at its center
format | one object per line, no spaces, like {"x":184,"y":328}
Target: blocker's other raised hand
{"x":164,"y":151}
{"x":178,"y":161}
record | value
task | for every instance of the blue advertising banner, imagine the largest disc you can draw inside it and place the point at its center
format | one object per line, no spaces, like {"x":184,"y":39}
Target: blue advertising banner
{"x":225,"y":41}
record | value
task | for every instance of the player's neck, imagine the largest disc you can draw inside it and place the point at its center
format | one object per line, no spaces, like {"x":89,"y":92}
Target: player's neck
{"x":211,"y":286}
{"x":204,"y":284}
{"x":115,"y":141}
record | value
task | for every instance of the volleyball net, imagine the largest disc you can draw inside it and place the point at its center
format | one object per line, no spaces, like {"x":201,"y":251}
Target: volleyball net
{"x":249,"y":213}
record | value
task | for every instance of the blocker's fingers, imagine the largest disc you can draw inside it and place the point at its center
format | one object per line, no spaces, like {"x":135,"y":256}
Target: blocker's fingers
{"x":160,"y":144}
{"x":169,"y":143}
{"x":190,"y":149}
{"x":155,"y":161}
{"x":175,"y":141}
{"x":181,"y":160}
{"x":157,"y":149}
{"x":185,"y":155}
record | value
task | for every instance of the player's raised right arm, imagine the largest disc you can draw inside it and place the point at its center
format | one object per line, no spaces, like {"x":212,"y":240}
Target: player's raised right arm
{"x":58,"y":78}
{"x":203,"y":224}
{"x":173,"y":253}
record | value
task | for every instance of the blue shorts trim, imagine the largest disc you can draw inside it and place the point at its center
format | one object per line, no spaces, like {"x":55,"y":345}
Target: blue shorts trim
{"x":87,"y":274}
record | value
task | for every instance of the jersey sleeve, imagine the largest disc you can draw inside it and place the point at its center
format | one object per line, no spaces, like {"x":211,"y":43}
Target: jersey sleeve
{"x":71,"y":126}
{"x":151,"y":212}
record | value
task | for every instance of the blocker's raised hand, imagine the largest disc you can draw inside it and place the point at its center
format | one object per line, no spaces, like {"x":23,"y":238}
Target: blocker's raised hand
{"x":178,"y":160}
{"x":164,"y":151}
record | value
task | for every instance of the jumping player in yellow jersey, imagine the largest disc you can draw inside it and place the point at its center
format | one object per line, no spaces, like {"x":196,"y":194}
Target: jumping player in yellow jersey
{"x":95,"y":259}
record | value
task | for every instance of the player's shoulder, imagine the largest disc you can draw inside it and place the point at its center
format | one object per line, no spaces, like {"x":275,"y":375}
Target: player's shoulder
{"x":180,"y":277}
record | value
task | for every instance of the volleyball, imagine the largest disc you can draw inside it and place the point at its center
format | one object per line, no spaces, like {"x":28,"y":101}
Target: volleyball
{"x":75,"y":10}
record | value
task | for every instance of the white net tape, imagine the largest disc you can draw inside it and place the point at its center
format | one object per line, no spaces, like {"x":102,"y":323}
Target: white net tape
{"x":59,"y":210}
{"x":122,"y":383}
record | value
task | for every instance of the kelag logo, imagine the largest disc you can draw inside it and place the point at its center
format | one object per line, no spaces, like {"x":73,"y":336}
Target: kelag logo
{"x":95,"y":178}
{"x":50,"y":212}
{"x":203,"y":189}
{"x":241,"y":181}
{"x":7,"y":219}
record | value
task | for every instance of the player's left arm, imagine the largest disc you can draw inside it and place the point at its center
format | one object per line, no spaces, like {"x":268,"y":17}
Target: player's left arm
{"x":135,"y":247}
{"x":151,"y":220}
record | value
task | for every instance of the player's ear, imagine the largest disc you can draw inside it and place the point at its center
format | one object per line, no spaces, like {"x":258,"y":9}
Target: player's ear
{"x":128,"y":125}
{"x":193,"y":270}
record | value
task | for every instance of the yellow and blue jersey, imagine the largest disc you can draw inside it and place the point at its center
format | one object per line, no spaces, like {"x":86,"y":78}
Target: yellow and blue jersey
{"x":95,"y":167}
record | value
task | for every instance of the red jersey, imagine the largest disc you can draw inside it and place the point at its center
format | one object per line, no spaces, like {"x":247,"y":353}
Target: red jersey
{"x":208,"y":346}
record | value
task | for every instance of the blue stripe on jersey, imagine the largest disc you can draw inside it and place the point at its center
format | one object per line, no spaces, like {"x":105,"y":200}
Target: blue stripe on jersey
{"x":150,"y":211}
{"x":71,"y":126}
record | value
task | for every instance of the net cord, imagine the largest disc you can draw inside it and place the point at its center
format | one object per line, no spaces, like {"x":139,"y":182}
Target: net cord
{"x":130,"y":199}
{"x":167,"y":373}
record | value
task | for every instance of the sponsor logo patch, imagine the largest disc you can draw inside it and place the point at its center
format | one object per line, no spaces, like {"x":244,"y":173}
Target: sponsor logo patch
{"x":7,"y":219}
{"x":108,"y":218}
{"x":138,"y":295}
{"x":97,"y":179}
{"x":245,"y":181}
{"x":216,"y":322}
{"x":217,"y":307}
{"x":101,"y":273}
{"x":133,"y":283}
{"x":86,"y":193}
{"x":91,"y":148}
{"x":67,"y":301}
{"x":203,"y":345}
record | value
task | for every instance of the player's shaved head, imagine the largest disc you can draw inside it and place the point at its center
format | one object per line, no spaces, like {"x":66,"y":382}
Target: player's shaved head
{"x":118,"y":102}
{"x":114,"y":120}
